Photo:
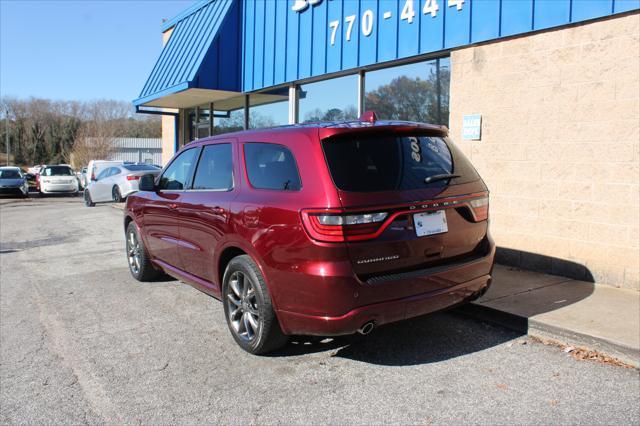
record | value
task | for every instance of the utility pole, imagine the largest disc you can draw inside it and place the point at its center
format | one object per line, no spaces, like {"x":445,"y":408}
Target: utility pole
{"x":6,"y":131}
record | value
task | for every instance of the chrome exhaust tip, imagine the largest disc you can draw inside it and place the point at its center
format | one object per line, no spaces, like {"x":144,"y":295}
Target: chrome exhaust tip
{"x":366,"y":328}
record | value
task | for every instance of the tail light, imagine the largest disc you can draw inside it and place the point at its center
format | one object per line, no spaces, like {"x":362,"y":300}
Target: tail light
{"x":133,"y":177}
{"x":480,"y":208}
{"x":335,"y":226}
{"x":93,"y":176}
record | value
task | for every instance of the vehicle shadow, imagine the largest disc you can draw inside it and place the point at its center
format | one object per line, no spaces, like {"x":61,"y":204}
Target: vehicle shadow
{"x":423,"y":340}
{"x":526,"y":288}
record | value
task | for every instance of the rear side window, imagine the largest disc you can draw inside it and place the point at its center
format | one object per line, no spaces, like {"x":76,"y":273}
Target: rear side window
{"x":57,"y":171}
{"x":388,"y":163}
{"x":215,"y":168}
{"x":271,"y":166}
{"x":178,"y":172}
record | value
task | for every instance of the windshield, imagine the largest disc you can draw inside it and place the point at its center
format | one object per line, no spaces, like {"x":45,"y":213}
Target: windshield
{"x":386,"y":163}
{"x":140,"y":167}
{"x":9,"y":174}
{"x":57,"y":171}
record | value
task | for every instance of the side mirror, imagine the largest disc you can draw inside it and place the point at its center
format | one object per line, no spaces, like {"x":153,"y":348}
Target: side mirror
{"x":147,"y":183}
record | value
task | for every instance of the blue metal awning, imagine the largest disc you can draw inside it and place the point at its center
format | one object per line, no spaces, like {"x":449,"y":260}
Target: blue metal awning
{"x":189,"y":69}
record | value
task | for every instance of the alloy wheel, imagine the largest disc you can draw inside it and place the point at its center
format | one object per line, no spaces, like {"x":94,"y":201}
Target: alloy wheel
{"x":133,"y":252}
{"x":242,"y":306}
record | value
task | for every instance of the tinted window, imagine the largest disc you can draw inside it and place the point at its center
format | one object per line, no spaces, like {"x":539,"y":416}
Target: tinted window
{"x":271,"y":166}
{"x":57,"y":171}
{"x":215,"y":169}
{"x":177,"y":174}
{"x":103,"y":174}
{"x":140,"y":167}
{"x":386,"y":163}
{"x":9,"y":174}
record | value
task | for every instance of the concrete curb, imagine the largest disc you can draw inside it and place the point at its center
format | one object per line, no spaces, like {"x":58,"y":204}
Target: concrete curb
{"x":539,"y":329}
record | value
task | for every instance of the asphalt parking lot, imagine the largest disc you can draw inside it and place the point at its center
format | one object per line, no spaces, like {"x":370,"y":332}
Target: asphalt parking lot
{"x":82,"y":342}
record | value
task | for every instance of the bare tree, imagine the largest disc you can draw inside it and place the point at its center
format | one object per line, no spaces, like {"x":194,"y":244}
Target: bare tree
{"x":46,"y":131}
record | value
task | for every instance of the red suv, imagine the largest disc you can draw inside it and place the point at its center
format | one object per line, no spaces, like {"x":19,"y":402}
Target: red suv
{"x":317,"y":229}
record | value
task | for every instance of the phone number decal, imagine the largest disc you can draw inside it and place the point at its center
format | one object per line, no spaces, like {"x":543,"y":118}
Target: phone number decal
{"x":407,"y":14}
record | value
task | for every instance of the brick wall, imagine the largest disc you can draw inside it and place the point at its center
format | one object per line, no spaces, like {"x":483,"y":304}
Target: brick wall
{"x":560,"y":145}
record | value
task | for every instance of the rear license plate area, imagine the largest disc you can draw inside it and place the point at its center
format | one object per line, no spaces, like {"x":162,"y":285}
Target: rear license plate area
{"x":430,"y":223}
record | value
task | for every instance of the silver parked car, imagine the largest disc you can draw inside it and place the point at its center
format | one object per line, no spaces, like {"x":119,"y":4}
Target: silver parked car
{"x":13,"y":181}
{"x":116,"y":182}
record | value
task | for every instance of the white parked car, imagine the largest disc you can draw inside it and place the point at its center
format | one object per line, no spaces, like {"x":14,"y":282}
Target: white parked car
{"x":58,"y":179}
{"x":96,"y":167}
{"x":115,"y":183}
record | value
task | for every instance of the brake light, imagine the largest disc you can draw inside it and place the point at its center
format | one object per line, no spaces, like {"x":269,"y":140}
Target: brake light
{"x":335,"y":226}
{"x":480,"y":208}
{"x":133,"y":177}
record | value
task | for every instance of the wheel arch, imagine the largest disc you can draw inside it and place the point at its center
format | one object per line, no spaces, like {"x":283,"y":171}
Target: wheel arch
{"x":225,"y":257}
{"x":127,"y":220}
{"x":234,"y":249}
{"x":237,"y":249}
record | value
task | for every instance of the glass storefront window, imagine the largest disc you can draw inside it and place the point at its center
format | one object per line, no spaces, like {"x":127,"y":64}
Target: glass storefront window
{"x":233,"y":123}
{"x":328,"y":100}
{"x":268,"y":109}
{"x":197,"y":126}
{"x":414,"y":92}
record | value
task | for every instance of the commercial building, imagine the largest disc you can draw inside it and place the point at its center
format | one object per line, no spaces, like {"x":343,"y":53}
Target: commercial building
{"x":542,"y":95}
{"x":138,"y":150}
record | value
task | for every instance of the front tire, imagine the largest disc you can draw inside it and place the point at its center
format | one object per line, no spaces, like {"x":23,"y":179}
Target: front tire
{"x":248,"y":308}
{"x":138,"y":258}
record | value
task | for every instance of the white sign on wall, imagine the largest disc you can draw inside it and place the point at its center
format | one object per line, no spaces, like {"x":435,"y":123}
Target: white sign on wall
{"x":472,"y":127}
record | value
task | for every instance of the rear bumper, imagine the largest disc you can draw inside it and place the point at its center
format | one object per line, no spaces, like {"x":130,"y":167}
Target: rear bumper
{"x":338,"y":305}
{"x":384,"y":312}
{"x":127,"y":188}
{"x":51,"y":188}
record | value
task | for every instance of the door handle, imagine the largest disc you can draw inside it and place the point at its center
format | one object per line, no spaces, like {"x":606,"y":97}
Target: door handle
{"x":173,"y":206}
{"x":217,"y":210}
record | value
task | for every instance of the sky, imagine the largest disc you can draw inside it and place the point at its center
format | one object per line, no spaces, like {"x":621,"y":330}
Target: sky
{"x":80,"y":49}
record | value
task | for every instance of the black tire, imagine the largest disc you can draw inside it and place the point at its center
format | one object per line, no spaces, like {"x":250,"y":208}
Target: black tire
{"x":138,"y":258}
{"x":253,"y":305}
{"x":87,"y":199}
{"x":115,"y":194}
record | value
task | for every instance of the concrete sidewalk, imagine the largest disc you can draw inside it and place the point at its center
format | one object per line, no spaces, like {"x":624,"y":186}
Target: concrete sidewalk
{"x":575,"y":313}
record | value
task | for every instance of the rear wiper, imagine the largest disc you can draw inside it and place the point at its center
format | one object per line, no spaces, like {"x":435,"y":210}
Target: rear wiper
{"x":435,"y":178}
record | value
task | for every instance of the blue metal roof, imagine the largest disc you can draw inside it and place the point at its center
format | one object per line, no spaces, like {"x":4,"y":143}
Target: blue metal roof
{"x":193,"y":49}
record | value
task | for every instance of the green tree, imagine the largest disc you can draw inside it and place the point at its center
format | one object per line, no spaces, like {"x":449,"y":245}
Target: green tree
{"x":412,"y":99}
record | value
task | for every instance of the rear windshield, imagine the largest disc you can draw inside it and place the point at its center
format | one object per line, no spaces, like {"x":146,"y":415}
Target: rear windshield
{"x":57,"y":171}
{"x":387,"y":163}
{"x":139,"y":167}
{"x":9,"y":174}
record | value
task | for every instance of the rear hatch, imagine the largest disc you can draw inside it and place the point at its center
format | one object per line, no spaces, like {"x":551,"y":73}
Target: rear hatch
{"x":58,"y":175}
{"x":413,"y":204}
